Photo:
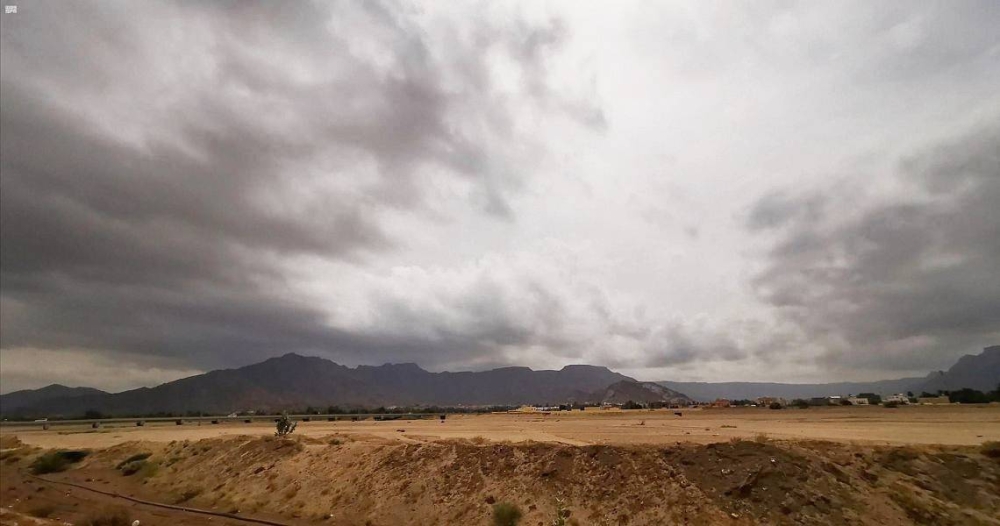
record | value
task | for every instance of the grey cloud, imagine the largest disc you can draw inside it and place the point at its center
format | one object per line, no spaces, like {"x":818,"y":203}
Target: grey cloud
{"x":160,"y":164}
{"x":909,"y":284}
{"x":675,"y":344}
{"x":777,"y":209}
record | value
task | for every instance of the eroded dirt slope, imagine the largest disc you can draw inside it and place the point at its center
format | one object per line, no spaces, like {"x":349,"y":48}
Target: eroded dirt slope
{"x":367,"y":480}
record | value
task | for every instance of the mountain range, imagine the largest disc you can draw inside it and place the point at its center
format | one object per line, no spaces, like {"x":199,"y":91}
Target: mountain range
{"x":975,"y":371}
{"x":294,"y":382}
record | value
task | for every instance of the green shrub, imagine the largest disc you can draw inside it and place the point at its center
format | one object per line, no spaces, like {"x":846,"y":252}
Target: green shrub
{"x":506,"y":514}
{"x":991,"y":449}
{"x":56,"y":461}
{"x":133,"y":458}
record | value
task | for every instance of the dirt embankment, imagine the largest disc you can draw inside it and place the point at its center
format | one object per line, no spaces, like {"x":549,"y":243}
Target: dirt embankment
{"x":373,"y":481}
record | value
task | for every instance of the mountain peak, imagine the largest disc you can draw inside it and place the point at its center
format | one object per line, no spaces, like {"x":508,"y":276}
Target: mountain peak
{"x":584,"y":367}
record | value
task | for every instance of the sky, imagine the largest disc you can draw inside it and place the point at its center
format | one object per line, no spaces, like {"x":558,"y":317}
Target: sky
{"x":691,"y":191}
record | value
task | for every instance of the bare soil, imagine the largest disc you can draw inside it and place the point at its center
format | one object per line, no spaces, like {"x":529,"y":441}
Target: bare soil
{"x":631,"y":468}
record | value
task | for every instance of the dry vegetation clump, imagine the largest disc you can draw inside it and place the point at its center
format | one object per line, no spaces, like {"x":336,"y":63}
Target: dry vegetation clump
{"x":478,"y":440}
{"x":107,"y":517}
{"x":10,"y":442}
{"x":42,"y":511}
{"x":134,"y":458}
{"x":506,"y":514}
{"x":56,"y":461}
{"x":990,"y":449}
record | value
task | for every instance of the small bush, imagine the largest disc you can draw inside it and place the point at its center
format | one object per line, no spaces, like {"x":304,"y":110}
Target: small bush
{"x":891,"y":405}
{"x":284,"y":426}
{"x":56,"y":461}
{"x":506,"y":514}
{"x":478,"y":440}
{"x":991,"y":449}
{"x":109,"y":517}
{"x":774,"y":405}
{"x":42,"y":511}
{"x":133,"y":458}
{"x":760,"y":438}
{"x":144,"y":468}
{"x":188,"y":495}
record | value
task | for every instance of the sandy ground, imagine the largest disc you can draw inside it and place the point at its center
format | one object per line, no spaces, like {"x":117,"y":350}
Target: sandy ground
{"x":945,"y":425}
{"x":868,"y":466}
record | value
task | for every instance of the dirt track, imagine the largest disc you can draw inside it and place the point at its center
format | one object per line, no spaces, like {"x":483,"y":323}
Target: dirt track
{"x":949,"y":425}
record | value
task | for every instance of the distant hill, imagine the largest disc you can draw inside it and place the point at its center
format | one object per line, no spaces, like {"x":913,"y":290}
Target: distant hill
{"x":639,"y":392}
{"x":294,"y":382}
{"x":976,"y":371}
{"x":29,"y":397}
{"x":981,"y":372}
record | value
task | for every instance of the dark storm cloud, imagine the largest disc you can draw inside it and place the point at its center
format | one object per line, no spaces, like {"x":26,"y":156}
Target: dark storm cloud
{"x":158,"y":165}
{"x":905,"y":284}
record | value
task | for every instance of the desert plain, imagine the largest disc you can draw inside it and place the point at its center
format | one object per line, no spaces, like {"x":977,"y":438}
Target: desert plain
{"x":831,"y":465}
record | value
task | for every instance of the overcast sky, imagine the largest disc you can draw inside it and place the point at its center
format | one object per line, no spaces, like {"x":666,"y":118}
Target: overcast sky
{"x":731,"y":191}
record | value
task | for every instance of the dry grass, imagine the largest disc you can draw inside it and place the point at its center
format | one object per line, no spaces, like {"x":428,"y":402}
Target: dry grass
{"x":107,"y":517}
{"x":506,"y":514}
{"x":42,"y":511}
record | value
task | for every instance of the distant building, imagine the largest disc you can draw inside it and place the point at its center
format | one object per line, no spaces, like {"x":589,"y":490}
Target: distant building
{"x":768,"y":400}
{"x":899,"y":398}
{"x":720,"y":402}
{"x":854,"y":400}
{"x":933,"y":400}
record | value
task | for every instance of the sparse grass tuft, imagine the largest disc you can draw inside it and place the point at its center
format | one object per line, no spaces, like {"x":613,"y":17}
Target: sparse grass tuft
{"x":478,"y":440}
{"x":108,"y":517}
{"x":506,"y":514}
{"x":42,"y":511}
{"x":144,"y":468}
{"x":133,"y":458}
{"x":56,"y":461}
{"x":991,"y":449}
{"x":562,"y":512}
{"x":188,"y":495}
{"x":761,"y":438}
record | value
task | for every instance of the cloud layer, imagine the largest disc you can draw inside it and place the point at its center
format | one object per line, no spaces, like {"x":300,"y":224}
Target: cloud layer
{"x":768,"y":192}
{"x":889,"y":282}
